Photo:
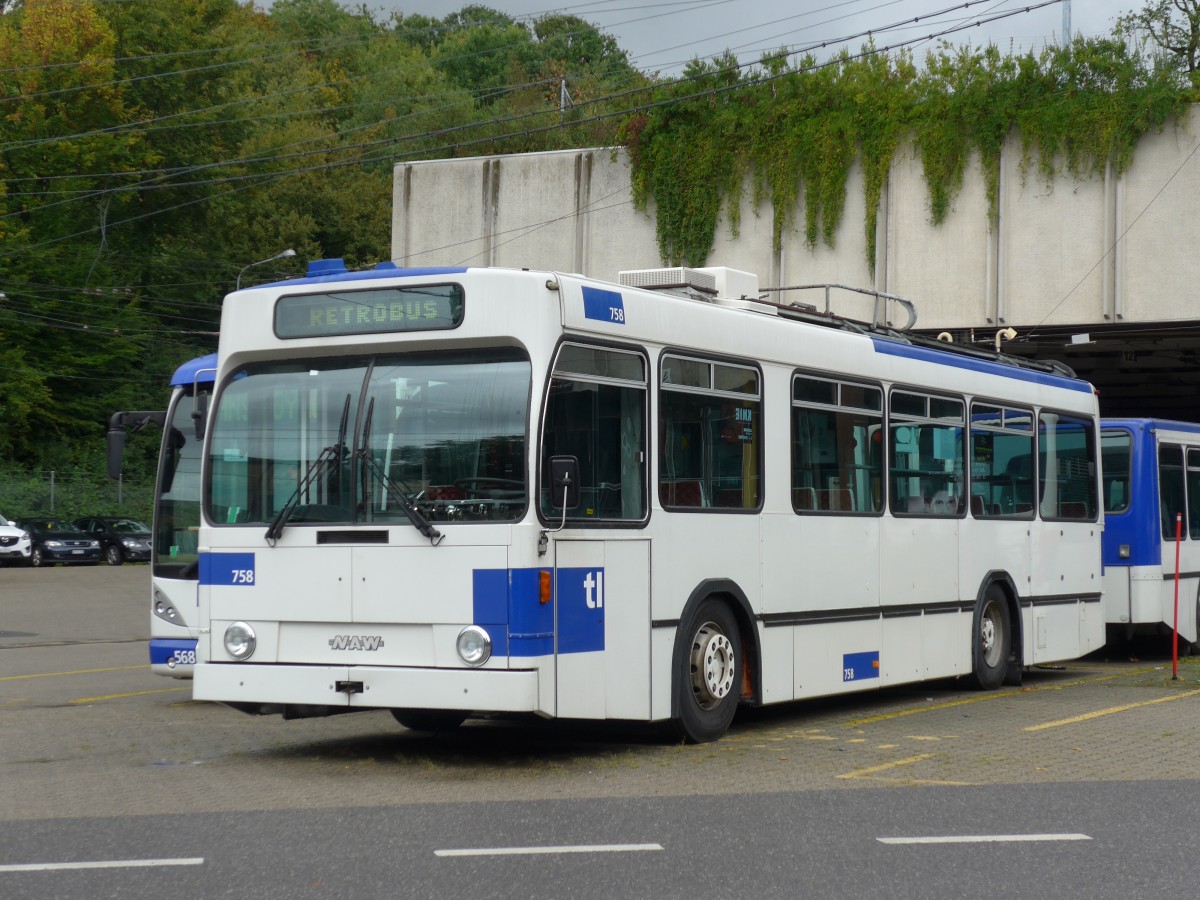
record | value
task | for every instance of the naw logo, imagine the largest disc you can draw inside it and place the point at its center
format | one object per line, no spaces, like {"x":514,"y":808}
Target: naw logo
{"x":356,"y":642}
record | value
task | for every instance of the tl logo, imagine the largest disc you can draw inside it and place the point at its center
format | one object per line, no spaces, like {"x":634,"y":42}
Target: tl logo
{"x":593,"y":589}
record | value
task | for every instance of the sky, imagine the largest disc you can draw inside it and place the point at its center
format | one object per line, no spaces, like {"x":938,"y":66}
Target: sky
{"x":662,"y":35}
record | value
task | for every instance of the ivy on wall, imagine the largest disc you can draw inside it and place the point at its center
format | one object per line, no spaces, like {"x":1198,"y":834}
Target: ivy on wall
{"x":796,"y":129}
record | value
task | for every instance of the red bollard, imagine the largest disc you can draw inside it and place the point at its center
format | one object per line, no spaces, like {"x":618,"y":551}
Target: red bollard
{"x":1175,"y":626}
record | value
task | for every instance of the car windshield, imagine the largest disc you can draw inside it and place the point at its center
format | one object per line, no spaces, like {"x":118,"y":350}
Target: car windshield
{"x":49,"y":525}
{"x":128,"y":526}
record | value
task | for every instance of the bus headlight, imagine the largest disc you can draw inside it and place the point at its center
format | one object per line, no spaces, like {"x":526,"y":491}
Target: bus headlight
{"x":474,"y":646}
{"x":239,"y":640}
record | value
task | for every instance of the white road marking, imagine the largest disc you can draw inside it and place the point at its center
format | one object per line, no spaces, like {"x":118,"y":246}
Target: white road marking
{"x":983,"y":838}
{"x":103,"y":864}
{"x":525,"y":851}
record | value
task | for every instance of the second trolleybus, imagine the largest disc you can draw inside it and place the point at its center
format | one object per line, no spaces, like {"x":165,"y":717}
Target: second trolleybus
{"x":175,"y":557}
{"x":1151,"y":485}
{"x":450,"y":491}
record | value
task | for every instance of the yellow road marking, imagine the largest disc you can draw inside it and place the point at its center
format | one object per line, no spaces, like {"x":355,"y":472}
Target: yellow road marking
{"x":76,"y":672}
{"x":1110,"y":711}
{"x":997,"y":695}
{"x":133,"y":694}
{"x":883,"y":767}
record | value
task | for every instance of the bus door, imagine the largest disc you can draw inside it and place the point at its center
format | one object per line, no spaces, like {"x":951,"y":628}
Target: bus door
{"x":920,"y":593}
{"x":1066,"y":535}
{"x":602,"y":628}
{"x":1179,"y":497}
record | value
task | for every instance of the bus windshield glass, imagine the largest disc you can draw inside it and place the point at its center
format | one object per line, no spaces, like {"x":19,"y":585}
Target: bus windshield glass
{"x":177,"y":516}
{"x":346,"y":441}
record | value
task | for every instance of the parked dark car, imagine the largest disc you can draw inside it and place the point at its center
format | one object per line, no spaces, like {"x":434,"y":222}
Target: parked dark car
{"x":120,"y":539}
{"x":56,"y":540}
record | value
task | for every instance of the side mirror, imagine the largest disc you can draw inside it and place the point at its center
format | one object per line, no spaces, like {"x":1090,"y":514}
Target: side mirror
{"x":116,"y":451}
{"x":564,"y":482}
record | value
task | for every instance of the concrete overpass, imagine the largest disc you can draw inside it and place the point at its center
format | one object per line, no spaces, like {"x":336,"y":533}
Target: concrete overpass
{"x":1103,"y":273}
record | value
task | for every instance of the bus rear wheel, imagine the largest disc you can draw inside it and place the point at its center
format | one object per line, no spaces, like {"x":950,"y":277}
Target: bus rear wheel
{"x":991,"y":638}
{"x":708,"y":681}
{"x":429,"y":719}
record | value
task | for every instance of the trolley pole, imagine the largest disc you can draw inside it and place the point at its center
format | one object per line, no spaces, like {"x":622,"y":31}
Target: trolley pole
{"x":1175,"y":625}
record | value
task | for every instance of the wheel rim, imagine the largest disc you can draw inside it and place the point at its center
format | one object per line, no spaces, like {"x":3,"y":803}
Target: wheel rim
{"x":114,"y":556}
{"x":36,"y":557}
{"x":990,"y":628}
{"x":713,"y":665}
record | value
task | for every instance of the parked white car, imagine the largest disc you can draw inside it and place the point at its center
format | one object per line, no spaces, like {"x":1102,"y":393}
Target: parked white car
{"x":14,"y":542}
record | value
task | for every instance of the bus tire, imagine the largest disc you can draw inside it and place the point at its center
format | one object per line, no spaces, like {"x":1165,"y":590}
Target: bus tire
{"x":429,"y":719}
{"x":991,"y":639}
{"x":708,"y":682}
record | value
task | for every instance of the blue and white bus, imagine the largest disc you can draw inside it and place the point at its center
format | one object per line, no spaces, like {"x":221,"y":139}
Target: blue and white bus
{"x":449,"y":491}
{"x":1151,"y":476}
{"x":175,"y":559}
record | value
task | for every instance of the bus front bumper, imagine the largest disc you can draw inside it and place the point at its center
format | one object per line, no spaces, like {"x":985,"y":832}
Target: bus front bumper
{"x":367,"y":687}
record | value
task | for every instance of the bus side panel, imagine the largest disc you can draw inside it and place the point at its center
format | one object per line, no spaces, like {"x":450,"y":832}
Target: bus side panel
{"x":989,"y":547}
{"x":1067,"y":566}
{"x":919,"y":569}
{"x":1149,"y":595}
{"x":816,"y":569}
{"x":837,"y":657}
{"x":1118,"y":594}
{"x":1189,"y":571}
{"x":1164,"y":611}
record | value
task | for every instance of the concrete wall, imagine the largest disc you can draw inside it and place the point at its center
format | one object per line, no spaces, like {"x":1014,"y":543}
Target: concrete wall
{"x":1050,"y":261}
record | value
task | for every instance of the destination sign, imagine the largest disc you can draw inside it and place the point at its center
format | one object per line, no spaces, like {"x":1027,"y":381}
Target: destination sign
{"x":426,"y":308}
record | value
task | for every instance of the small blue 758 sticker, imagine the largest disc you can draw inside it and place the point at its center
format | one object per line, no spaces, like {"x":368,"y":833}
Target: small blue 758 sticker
{"x":605,"y":306}
{"x":227,"y":569}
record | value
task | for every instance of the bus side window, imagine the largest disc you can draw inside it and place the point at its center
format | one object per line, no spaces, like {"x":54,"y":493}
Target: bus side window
{"x":1171,"y":489}
{"x":596,"y":412}
{"x":1067,"y":466}
{"x":709,"y":435}
{"x":1116,"y":452}
{"x":837,"y":459}
{"x":1193,"y":493}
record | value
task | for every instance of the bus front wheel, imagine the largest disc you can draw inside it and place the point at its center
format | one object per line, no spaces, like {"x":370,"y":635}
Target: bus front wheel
{"x":429,"y":719}
{"x":708,"y":680}
{"x":991,"y":639}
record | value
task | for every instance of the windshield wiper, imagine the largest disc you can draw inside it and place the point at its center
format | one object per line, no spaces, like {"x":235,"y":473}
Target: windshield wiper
{"x":400,"y":497}
{"x":331,"y":454}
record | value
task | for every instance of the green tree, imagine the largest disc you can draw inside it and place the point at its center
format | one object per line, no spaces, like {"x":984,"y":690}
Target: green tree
{"x":1173,"y":26}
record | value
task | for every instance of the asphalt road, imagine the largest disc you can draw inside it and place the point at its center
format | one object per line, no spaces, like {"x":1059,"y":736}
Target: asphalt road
{"x":114,"y":783}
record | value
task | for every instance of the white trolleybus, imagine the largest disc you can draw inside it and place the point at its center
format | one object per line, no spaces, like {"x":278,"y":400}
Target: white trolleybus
{"x":469,"y":490}
{"x":1151,"y":489}
{"x":174,"y":561}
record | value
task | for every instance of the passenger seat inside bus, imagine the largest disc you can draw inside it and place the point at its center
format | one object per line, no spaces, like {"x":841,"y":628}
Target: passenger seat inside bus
{"x":682,"y":493}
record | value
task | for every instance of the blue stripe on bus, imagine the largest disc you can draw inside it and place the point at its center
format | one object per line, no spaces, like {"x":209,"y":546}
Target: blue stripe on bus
{"x":507,"y":604}
{"x":324,"y":275}
{"x":860,"y":666}
{"x":926,"y":354}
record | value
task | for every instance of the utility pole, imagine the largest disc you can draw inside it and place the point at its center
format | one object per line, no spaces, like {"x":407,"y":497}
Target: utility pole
{"x":1066,"y":23}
